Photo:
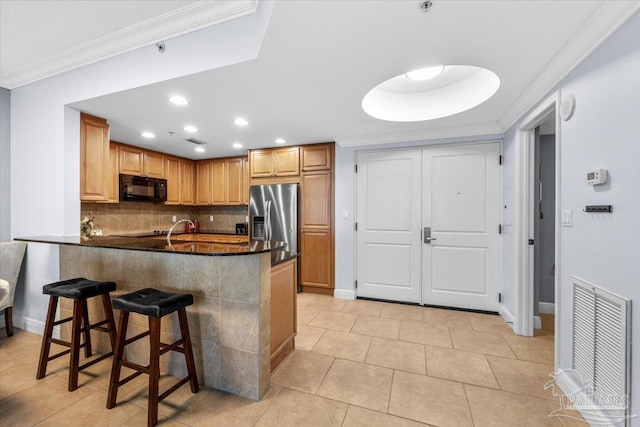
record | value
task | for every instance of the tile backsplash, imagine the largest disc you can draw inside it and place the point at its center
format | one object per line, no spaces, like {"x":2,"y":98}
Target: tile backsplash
{"x":138,"y":217}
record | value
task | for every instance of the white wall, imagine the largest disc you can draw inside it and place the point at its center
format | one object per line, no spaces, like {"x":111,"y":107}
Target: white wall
{"x":5,"y":164}
{"x":45,"y":136}
{"x":602,"y":249}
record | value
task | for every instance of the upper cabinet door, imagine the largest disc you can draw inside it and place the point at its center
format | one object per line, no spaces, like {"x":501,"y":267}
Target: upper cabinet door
{"x":246,"y":180}
{"x":173,"y":181}
{"x":315,"y":157}
{"x":261,"y":164}
{"x":153,"y":164}
{"x":131,"y":160}
{"x":286,"y":161}
{"x":203,"y":183}
{"x":234,"y":181}
{"x":94,"y":158}
{"x":218,"y":182}
{"x":186,"y":182}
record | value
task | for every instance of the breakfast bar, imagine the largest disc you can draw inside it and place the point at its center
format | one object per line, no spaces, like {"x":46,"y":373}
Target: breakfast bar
{"x":230,"y":320}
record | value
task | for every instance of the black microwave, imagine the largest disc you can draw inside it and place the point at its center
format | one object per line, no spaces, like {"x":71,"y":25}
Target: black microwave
{"x":135,"y":188}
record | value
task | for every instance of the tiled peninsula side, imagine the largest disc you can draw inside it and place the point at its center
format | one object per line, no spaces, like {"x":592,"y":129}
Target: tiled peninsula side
{"x":229,"y":320}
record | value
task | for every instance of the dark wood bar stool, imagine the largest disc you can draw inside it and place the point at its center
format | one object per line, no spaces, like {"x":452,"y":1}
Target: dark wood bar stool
{"x":79,"y":290}
{"x":154,"y":304}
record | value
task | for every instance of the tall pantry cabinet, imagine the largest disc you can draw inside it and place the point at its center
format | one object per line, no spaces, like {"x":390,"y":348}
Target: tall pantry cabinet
{"x":312,"y":167}
{"x":316,"y":218}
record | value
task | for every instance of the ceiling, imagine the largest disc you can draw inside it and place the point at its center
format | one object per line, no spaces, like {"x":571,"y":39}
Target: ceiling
{"x":319,"y":58}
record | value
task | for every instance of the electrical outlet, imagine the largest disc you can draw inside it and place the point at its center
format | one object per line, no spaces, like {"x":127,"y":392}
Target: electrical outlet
{"x":210,"y":218}
{"x":174,"y":218}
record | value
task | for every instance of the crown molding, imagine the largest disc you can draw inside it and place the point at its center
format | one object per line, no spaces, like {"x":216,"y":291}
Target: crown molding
{"x":604,"y":21}
{"x":421,"y":135}
{"x":192,"y":17}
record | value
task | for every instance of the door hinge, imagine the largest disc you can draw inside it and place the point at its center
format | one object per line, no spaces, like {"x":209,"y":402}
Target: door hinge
{"x":499,"y":228}
{"x":356,"y":168}
{"x":356,"y":284}
{"x":500,"y":159}
{"x":355,"y":226}
{"x":531,"y":242}
{"x":499,"y":296}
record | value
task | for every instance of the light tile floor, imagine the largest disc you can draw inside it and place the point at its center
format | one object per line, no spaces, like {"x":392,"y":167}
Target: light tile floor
{"x":357,"y":363}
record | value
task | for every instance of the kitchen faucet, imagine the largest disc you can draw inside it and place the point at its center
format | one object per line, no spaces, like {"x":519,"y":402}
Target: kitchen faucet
{"x":174,"y":226}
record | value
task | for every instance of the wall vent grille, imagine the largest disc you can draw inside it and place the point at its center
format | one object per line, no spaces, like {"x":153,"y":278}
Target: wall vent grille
{"x":601,"y":346}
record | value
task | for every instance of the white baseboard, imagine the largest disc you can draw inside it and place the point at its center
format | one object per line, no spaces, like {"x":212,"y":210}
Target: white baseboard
{"x":506,"y":315}
{"x":547,"y":307}
{"x":537,"y":322}
{"x":32,"y":325}
{"x":344,"y":294}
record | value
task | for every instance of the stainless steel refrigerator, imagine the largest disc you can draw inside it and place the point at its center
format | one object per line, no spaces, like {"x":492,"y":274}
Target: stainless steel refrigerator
{"x":273,"y":214}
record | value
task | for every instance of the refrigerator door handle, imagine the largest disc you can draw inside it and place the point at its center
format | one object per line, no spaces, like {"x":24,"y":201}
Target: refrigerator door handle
{"x":268,"y":221}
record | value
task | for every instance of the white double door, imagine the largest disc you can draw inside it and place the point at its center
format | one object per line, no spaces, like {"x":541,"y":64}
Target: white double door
{"x":428,"y":226}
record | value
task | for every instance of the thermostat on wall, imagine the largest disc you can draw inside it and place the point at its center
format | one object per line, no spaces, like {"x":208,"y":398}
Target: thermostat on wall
{"x":597,"y":177}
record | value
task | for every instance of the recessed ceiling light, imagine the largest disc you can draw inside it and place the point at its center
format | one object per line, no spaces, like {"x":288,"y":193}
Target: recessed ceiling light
{"x":200,"y":149}
{"x":191,"y":129}
{"x":179,"y":100}
{"x":240,"y":122}
{"x":148,"y":135}
{"x":424,"y":73}
{"x":458,"y":88}
{"x":280,"y":141}
{"x":237,"y":145}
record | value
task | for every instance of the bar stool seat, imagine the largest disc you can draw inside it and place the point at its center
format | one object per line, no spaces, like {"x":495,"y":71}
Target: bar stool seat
{"x":78,"y":290}
{"x":154,"y":304}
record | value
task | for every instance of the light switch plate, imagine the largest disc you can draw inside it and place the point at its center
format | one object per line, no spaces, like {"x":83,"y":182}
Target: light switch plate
{"x":566,"y":218}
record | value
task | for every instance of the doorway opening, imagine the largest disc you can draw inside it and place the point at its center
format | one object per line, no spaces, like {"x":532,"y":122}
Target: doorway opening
{"x":525,"y":216}
{"x":544,"y":208}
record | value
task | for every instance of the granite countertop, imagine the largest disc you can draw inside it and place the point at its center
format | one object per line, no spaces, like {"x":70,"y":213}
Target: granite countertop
{"x":159,"y":245}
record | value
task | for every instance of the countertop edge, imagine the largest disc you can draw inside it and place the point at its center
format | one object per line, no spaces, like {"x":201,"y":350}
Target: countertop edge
{"x":95,"y":243}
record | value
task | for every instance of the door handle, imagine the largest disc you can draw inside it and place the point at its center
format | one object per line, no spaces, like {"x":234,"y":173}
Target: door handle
{"x":427,"y":235}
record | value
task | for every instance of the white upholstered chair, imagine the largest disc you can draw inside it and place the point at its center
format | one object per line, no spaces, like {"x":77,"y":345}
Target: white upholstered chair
{"x":11,"y":256}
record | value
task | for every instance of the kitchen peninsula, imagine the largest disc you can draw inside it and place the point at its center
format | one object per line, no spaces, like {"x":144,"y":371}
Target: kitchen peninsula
{"x":230,"y":320}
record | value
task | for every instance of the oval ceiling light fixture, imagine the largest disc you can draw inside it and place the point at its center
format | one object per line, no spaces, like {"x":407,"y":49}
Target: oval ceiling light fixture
{"x":240,"y":122}
{"x":454,"y":89}
{"x":424,"y":73}
{"x":147,"y":135}
{"x":280,"y":141}
{"x":178,"y":100}
{"x":237,"y":145}
{"x":199,"y":149}
{"x":191,"y":129}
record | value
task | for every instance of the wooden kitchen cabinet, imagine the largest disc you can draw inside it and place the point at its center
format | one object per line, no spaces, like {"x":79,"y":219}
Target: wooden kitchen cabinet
{"x":316,"y":206}
{"x":315,"y":157}
{"x":187,"y":196}
{"x":94,"y":158}
{"x":113,"y":182}
{"x":131,"y":159}
{"x":179,"y":175}
{"x":172,"y":169}
{"x":203,"y":183}
{"x":316,"y":260}
{"x":225,"y":182}
{"x":153,"y":164}
{"x":316,"y":219}
{"x":283,"y":310}
{"x":275,"y":162}
{"x":218,"y":182}
{"x":246,"y":181}
{"x":137,"y":161}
